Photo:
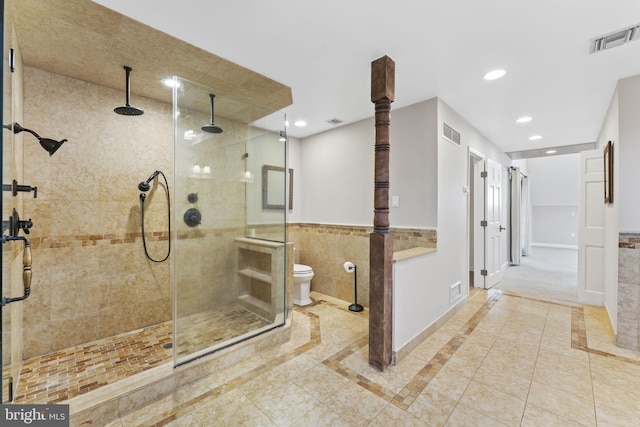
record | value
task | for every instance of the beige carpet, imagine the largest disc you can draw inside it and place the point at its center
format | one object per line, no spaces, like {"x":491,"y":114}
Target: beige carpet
{"x":547,"y":273}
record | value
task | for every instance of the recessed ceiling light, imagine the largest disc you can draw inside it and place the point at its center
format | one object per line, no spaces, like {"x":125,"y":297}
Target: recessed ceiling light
{"x":535,"y":137}
{"x":524,"y":119}
{"x":551,"y":151}
{"x":495,"y":74}
{"x":300,"y":123}
{"x":170,"y":82}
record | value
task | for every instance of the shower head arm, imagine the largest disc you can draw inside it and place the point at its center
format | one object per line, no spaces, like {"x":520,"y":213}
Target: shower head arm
{"x":212,"y":96}
{"x":152,"y":176}
{"x":17,"y":129}
{"x":128,"y":84}
{"x":50,"y":145}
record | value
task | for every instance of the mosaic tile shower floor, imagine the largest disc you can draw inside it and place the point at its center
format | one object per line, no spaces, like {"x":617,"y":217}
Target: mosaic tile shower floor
{"x":501,"y":360}
{"x":74,"y":371}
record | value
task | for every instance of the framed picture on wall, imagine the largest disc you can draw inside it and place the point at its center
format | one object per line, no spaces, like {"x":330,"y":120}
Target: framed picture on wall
{"x":608,"y":173}
{"x":273,"y":192}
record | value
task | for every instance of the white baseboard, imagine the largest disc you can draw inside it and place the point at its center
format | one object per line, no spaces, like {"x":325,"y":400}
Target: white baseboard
{"x":591,"y":298}
{"x":554,"y":245}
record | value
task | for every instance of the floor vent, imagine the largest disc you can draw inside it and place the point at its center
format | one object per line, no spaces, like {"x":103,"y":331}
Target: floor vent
{"x":455,"y":292}
{"x":450,"y":134}
{"x":615,"y":39}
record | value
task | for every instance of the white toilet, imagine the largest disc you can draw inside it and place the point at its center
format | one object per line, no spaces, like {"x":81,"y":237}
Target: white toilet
{"x":302,"y":275}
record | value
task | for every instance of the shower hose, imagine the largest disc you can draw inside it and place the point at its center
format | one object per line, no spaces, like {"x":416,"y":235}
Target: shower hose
{"x":144,"y":239}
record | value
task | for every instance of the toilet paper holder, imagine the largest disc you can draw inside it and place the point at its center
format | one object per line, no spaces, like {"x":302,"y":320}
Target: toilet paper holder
{"x":350,"y":267}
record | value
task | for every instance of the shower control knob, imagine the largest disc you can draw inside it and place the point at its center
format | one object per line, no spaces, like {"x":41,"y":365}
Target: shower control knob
{"x":25,"y":225}
{"x":192,"y":217}
{"x":14,"y":187}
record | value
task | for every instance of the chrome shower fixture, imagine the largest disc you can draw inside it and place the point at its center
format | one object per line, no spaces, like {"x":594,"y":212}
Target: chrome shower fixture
{"x":51,"y":145}
{"x":211,"y":128}
{"x":128,"y":110}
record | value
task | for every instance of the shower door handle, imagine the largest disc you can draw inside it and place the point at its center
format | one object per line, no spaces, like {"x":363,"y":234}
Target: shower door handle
{"x":27,"y":259}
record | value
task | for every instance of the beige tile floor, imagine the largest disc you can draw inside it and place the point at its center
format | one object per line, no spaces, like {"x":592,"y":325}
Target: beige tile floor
{"x":501,"y":360}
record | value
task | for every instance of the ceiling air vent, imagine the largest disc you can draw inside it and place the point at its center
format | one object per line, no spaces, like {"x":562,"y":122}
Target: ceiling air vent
{"x":451,"y":134}
{"x":617,"y":38}
{"x":334,"y":121}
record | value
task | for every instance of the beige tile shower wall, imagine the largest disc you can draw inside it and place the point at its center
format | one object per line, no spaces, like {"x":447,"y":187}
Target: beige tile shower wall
{"x":89,"y":265}
{"x":326,"y":248}
{"x":206,"y":277}
{"x":90,"y":276}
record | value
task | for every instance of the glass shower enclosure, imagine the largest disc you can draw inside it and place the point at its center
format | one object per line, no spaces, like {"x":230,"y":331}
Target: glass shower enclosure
{"x":229,"y":221}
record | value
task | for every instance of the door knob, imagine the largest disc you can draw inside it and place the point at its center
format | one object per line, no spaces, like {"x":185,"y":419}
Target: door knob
{"x":502,"y":228}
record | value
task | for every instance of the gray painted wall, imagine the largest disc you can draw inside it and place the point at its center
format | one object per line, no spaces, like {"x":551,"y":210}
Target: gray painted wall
{"x":555,"y":184}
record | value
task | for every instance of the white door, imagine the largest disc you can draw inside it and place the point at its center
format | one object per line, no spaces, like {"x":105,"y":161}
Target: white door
{"x":478,"y":215}
{"x":591,"y":229}
{"x":493,"y":229}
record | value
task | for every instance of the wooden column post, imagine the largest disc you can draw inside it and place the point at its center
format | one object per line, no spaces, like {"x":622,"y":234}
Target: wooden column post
{"x":381,"y":241}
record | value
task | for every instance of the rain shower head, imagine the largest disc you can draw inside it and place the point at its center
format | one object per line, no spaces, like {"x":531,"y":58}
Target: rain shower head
{"x":51,"y":145}
{"x":128,"y":110}
{"x":211,"y":128}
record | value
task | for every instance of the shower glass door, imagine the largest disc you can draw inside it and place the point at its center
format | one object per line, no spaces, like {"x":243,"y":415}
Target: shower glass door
{"x":230,"y":259}
{"x":9,"y":313}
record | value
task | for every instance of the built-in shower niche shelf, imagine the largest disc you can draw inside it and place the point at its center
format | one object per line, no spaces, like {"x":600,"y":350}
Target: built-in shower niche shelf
{"x":260,"y":282}
{"x":256,"y":274}
{"x":256,"y":305}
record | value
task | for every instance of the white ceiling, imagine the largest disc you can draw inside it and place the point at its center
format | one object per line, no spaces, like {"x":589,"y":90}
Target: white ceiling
{"x":323,"y":51}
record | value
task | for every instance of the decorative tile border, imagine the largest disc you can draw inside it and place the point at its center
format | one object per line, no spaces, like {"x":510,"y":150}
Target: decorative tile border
{"x":404,"y":237}
{"x":54,"y":242}
{"x":629,"y":240}
{"x":579,"y":338}
{"x":121,"y":238}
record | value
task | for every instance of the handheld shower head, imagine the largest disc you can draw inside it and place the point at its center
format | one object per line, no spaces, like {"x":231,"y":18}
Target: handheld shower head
{"x":144,"y":185}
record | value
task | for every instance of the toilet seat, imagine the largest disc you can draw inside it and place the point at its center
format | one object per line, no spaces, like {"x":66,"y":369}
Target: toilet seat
{"x":301,"y":269}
